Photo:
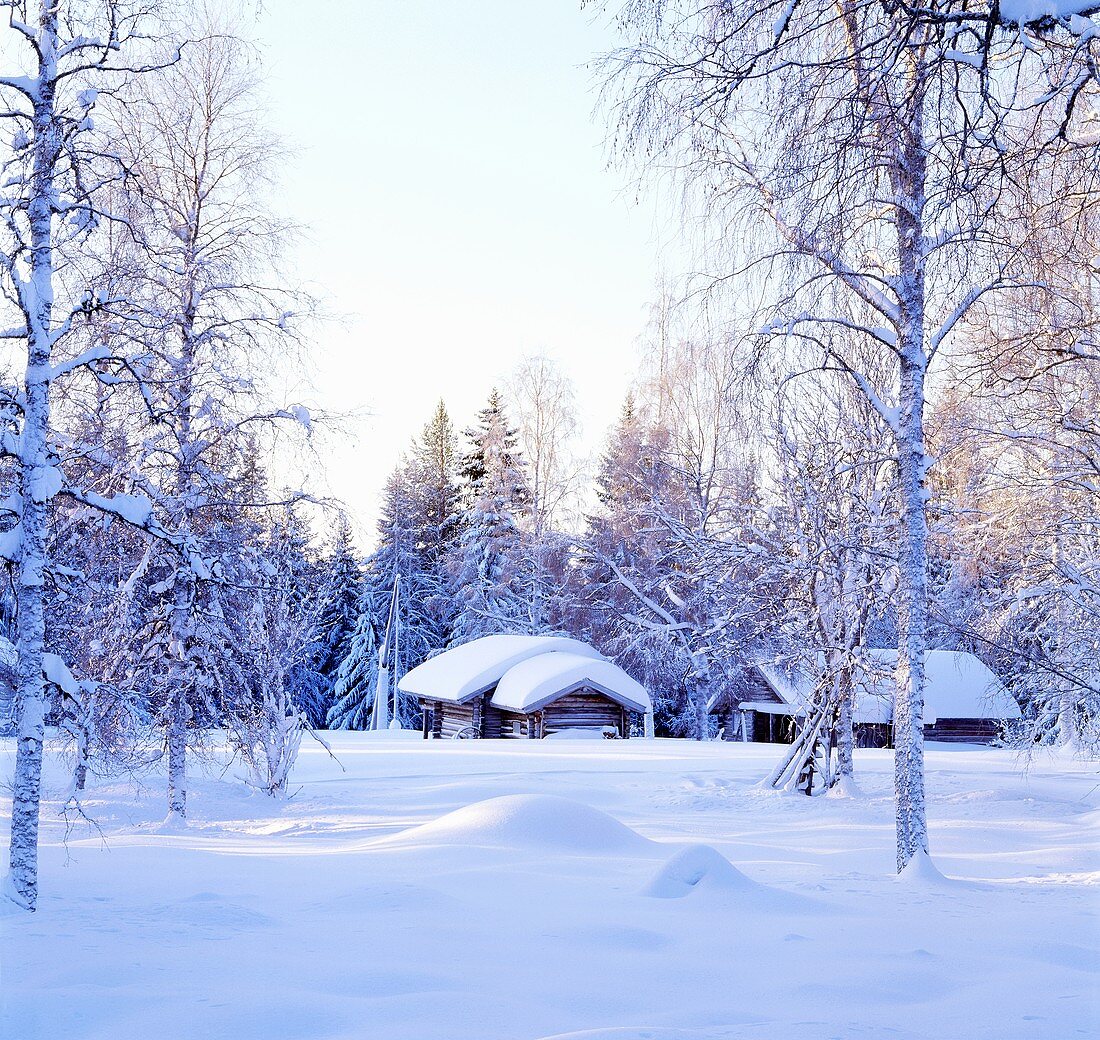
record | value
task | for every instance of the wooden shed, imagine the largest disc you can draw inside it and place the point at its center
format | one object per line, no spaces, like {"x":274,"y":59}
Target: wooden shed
{"x":963,"y":701}
{"x":524,"y":686}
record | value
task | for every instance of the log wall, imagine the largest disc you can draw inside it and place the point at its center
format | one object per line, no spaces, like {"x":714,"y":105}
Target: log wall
{"x":964,"y":731}
{"x":513,"y":725}
{"x":449,"y":719}
{"x":585,"y":709}
{"x":581,"y":709}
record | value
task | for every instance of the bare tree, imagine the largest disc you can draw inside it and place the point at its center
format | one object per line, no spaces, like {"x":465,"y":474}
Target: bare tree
{"x":213,"y":315}
{"x":695,"y":393}
{"x":545,"y":408}
{"x":835,"y":481}
{"x":1024,"y":451}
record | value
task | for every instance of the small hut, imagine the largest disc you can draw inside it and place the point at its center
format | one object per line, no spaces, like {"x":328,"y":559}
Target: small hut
{"x":524,"y":686}
{"x":963,"y":701}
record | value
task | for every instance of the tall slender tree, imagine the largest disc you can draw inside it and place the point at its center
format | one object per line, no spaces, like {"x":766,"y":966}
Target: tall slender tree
{"x":56,"y":173}
{"x":212,"y":307}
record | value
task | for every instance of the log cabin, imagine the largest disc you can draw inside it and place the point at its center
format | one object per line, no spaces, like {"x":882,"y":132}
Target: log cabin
{"x":964,"y":702}
{"x":510,"y":686}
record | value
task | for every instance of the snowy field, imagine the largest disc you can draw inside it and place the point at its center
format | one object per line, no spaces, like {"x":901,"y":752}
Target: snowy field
{"x":337,"y":914}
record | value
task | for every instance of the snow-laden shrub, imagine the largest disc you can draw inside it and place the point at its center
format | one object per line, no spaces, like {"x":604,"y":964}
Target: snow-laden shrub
{"x":266,"y":737}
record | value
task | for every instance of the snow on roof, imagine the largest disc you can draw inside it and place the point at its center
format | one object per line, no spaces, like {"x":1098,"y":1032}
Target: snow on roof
{"x":958,"y":686}
{"x":792,"y":686}
{"x":873,"y":700}
{"x":529,"y":685}
{"x":771,"y":708}
{"x":465,"y":671}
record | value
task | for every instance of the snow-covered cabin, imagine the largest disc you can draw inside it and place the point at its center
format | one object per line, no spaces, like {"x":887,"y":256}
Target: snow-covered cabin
{"x":963,"y":701}
{"x":524,"y":686}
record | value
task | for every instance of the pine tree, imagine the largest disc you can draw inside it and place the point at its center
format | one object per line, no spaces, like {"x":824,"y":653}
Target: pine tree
{"x":487,"y":583}
{"x":341,"y":595}
{"x":291,"y":576}
{"x":407,"y":504}
{"x":493,"y":468}
{"x":353,"y":695}
{"x":436,"y":453}
{"x":622,"y":544}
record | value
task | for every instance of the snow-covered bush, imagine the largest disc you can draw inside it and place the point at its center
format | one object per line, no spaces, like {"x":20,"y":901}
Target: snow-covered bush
{"x":267,"y":739}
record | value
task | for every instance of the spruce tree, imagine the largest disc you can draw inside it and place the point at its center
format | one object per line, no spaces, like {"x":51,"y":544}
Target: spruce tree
{"x":353,"y":695}
{"x":622,"y":541}
{"x":341,"y":595}
{"x":486,"y":566}
{"x":436,"y":455}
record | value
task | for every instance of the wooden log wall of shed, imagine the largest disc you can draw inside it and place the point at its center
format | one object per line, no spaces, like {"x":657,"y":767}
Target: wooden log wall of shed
{"x":729,"y":723}
{"x":492,"y":724}
{"x":453,"y":718}
{"x":513,"y":725}
{"x":964,"y":731}
{"x":585,"y":709}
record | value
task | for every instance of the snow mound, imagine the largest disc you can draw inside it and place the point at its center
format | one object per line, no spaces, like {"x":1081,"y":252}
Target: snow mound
{"x":921,"y":873}
{"x":527,"y":821}
{"x":845,"y":787}
{"x":696,"y":868}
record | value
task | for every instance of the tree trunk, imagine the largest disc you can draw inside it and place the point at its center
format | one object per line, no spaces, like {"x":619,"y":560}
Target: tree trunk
{"x":180,"y":680}
{"x":83,"y":740}
{"x":36,"y":298}
{"x":700,"y":716}
{"x":908,"y":181}
{"x":181,"y":675}
{"x":912,"y":836}
{"x":845,"y":731}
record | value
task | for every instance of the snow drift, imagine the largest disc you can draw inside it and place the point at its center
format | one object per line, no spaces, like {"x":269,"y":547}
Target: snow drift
{"x":528,"y":821}
{"x":697,"y":868}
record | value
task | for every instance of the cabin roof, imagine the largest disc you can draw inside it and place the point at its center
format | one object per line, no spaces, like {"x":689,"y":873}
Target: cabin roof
{"x":958,"y":686}
{"x":465,"y":671}
{"x":538,"y":680}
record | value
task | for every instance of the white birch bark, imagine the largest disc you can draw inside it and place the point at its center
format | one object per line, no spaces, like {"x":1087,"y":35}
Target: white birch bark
{"x":36,"y":297}
{"x":908,"y":176}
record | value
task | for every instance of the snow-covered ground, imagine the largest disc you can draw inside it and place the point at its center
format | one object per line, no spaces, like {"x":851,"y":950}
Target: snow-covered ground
{"x":339,"y":914}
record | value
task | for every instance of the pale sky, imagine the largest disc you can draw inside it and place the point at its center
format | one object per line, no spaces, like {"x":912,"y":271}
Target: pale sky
{"x":459,"y":211}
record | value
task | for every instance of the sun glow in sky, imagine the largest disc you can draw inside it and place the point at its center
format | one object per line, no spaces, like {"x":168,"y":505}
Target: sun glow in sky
{"x":449,"y":170}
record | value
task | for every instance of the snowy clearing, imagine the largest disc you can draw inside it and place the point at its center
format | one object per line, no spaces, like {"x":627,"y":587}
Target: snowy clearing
{"x":360,"y":908}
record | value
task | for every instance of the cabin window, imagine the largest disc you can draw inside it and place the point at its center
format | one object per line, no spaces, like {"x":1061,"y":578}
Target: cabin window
{"x":517,"y":728}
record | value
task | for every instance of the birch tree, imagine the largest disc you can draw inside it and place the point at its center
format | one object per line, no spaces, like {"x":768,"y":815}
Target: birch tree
{"x":213,"y":314}
{"x":545,"y":408}
{"x":55,"y":169}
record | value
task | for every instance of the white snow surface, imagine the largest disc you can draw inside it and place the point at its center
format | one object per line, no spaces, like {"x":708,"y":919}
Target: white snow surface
{"x":1020,"y":12}
{"x":530,"y":684}
{"x":540,"y":821}
{"x":469,"y":669}
{"x":528,"y":890}
{"x":957,"y":686}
